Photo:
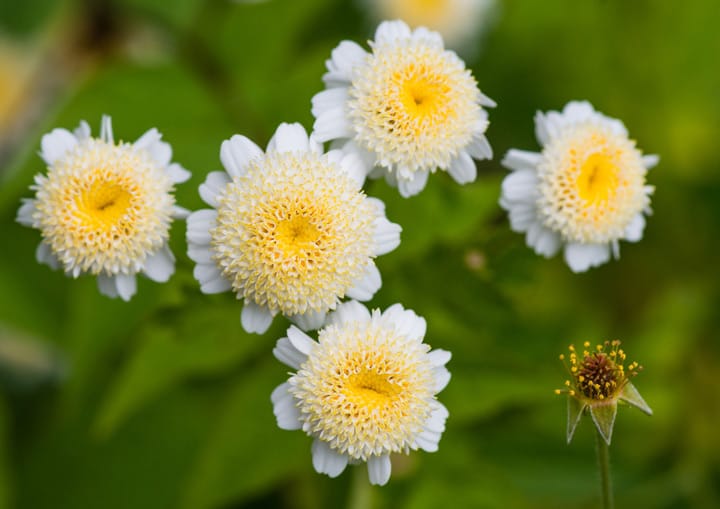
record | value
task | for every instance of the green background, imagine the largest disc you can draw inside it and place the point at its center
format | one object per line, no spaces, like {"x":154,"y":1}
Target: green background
{"x":163,"y":402}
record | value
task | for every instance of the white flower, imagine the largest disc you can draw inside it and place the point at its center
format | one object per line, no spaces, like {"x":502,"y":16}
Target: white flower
{"x":407,"y":108}
{"x":105,"y":208}
{"x":290,"y":231}
{"x":585,"y":191}
{"x":364,"y":390}
{"x":460,"y":22}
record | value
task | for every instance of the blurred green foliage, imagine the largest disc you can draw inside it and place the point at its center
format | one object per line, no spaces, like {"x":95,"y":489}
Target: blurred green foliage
{"x":164,"y":401}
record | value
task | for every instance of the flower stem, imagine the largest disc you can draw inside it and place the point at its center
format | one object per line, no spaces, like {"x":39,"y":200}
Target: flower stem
{"x":361,"y":494}
{"x":603,"y":454}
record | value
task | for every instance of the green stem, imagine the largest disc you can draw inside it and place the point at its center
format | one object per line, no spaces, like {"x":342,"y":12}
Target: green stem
{"x":603,"y":454}
{"x":361,"y":495}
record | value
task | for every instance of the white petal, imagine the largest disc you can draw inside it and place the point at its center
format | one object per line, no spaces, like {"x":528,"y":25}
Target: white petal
{"x":442,"y":378}
{"x":329,"y":99}
{"x":200,"y":253}
{"x":82,"y":132}
{"x":289,"y":138}
{"x":521,"y":159}
{"x":480,"y":148}
{"x":391,"y":31}
{"x":332,"y":124}
{"x":355,"y":167}
{"x":522,"y":214}
{"x":379,"y":469}
{"x":126,"y":285}
{"x":520,"y":186}
{"x":311,"y":320}
{"x":438,"y":416}
{"x":159,"y":151}
{"x":327,"y":461}
{"x":411,"y":187}
{"x":254,"y":318}
{"x":634,"y":230}
{"x":107,"y":286}
{"x":578,"y":111}
{"x":236,"y":153}
{"x":286,"y":353}
{"x":343,"y":58}
{"x":106,"y":131}
{"x":199,"y":224}
{"x":428,"y":440}
{"x":214,"y":185}
{"x":463,"y":169}
{"x":284,"y":408}
{"x":180,"y":212}
{"x":44,"y":255}
{"x":301,"y":341}
{"x":367,"y":285}
{"x":439,"y":357}
{"x":212,"y":279}
{"x":405,"y":321}
{"x":177,"y":173}
{"x":25,"y":212}
{"x":546,"y":126}
{"x":650,"y":161}
{"x":161,"y":265}
{"x":349,"y":312}
{"x":486,"y":101}
{"x":580,"y":257}
{"x":544,"y":241}
{"x":428,"y":36}
{"x":386,"y":235}
{"x":56,"y":144}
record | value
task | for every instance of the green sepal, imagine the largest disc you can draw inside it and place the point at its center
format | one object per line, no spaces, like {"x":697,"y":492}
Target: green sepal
{"x":631,"y":396}
{"x":575,"y":411}
{"x":603,"y":416}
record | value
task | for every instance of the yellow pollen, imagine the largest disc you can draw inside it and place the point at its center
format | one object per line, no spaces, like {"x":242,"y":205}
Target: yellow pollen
{"x":365,"y":389}
{"x":104,"y":208}
{"x":415,"y":106}
{"x":598,"y":179}
{"x":592,"y":184}
{"x":370,"y":390}
{"x":293,"y":244}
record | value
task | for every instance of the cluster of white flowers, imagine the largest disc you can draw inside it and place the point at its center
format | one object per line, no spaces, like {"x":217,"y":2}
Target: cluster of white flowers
{"x":290,"y":230}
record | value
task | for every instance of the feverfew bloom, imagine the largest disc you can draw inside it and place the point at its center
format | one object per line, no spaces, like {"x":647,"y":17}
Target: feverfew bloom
{"x":407,"y":108}
{"x":290,"y":231}
{"x":105,"y":208}
{"x":585,"y":191}
{"x":460,"y":22}
{"x":599,"y":381}
{"x":364,"y":390}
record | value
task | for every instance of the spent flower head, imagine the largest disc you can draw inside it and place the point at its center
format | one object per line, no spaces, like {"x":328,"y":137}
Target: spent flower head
{"x":585,"y":191}
{"x":365,"y":389}
{"x":105,"y":208}
{"x":290,"y":230}
{"x":407,"y":108}
{"x":599,"y":380}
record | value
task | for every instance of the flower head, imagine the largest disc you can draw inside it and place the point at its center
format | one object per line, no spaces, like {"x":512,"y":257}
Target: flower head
{"x":585,"y":191}
{"x":290,"y":231}
{"x":407,"y":108}
{"x":599,"y":380}
{"x":364,"y":390}
{"x":105,"y":208}
{"x":460,"y":22}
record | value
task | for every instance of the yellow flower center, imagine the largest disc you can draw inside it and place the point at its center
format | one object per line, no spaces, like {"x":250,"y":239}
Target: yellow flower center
{"x":598,"y":179}
{"x":592,"y":184}
{"x":103,"y":204}
{"x":365,"y":389}
{"x":370,"y":390}
{"x":293,"y":244}
{"x":414,"y":105}
{"x":104,"y":208}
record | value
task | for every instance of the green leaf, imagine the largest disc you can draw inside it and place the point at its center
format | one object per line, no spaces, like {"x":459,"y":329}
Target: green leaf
{"x":575,"y":410}
{"x":246,"y":452}
{"x":604,"y":418}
